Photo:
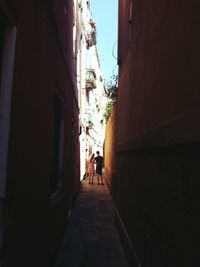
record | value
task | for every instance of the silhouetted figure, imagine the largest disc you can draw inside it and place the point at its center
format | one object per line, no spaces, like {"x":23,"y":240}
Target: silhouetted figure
{"x":99,"y":166}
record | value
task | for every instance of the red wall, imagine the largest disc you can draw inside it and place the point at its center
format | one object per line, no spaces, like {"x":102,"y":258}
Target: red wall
{"x":35,"y":222}
{"x":159,"y":63}
{"x":157,"y":142}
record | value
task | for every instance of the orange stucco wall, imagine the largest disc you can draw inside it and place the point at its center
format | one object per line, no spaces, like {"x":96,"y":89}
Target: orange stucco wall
{"x":109,"y":152}
{"x":157,"y":130}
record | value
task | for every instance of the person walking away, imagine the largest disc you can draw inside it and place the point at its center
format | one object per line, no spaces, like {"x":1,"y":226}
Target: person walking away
{"x":99,"y":166}
{"x":91,"y":168}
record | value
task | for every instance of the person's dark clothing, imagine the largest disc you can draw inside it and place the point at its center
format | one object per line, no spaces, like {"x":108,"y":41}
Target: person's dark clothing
{"x":99,"y":164}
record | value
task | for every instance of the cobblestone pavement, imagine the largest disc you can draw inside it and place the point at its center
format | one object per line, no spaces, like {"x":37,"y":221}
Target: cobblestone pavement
{"x":91,"y":239}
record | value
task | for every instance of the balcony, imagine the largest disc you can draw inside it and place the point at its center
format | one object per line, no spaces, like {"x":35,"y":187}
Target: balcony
{"x":90,"y":84}
{"x":91,"y":39}
{"x":90,"y":79}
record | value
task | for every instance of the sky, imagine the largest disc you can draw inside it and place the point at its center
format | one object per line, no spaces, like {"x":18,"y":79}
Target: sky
{"x":105,"y":14}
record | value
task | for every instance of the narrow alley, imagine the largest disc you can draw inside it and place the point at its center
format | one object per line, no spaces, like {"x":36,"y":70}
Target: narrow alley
{"x":91,"y":239}
{"x":67,"y":111}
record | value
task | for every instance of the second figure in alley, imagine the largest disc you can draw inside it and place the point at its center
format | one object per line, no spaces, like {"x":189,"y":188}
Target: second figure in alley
{"x":91,"y":168}
{"x":99,"y":166}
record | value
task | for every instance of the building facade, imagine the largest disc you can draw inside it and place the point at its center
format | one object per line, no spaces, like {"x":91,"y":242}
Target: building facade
{"x":39,"y":129}
{"x":91,"y":93}
{"x":157,"y":142}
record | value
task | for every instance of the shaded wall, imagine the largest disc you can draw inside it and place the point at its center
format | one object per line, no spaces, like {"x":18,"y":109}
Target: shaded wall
{"x":159,"y":56}
{"x":109,"y":152}
{"x":158,"y":133}
{"x":36,"y":217}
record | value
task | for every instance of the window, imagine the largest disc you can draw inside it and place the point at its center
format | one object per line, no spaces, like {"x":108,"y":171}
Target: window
{"x":58,"y":161}
{"x":7,"y":53}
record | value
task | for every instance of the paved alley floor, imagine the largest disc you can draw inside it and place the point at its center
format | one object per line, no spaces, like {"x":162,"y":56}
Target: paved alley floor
{"x":91,"y":239}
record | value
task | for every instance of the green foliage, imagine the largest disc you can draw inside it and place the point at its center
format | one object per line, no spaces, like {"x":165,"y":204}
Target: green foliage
{"x":108,"y":110}
{"x":111,"y":87}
